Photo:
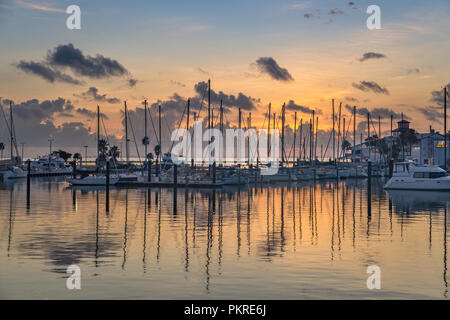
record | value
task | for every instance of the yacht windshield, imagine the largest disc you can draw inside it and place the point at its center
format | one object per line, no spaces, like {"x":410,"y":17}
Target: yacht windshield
{"x":429,"y":175}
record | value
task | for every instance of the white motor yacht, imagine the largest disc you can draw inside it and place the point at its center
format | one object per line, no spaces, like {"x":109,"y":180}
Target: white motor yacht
{"x":13,"y":173}
{"x":408,"y":176}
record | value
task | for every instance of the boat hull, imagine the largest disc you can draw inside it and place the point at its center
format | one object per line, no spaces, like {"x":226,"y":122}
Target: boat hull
{"x":403,"y":183}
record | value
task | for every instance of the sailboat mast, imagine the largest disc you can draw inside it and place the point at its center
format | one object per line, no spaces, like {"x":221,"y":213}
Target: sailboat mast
{"x":268,"y":131}
{"x":127,"y":155}
{"x":445,"y":127}
{"x":145,"y":128}
{"x":11,"y":135}
{"x":209,"y":103}
{"x":295,"y":133}
{"x":334,"y":136}
{"x":301,"y":134}
{"x":188,"y":147}
{"x":221,"y":117}
{"x":160,"y":137}
{"x":315,"y":139}
{"x":282,"y":132}
{"x":98,"y":133}
{"x":368,"y":132}
{"x":354,"y":132}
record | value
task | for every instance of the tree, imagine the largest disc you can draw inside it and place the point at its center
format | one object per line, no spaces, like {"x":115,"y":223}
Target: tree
{"x":114,"y":153}
{"x":77,"y":157}
{"x":63,"y":154}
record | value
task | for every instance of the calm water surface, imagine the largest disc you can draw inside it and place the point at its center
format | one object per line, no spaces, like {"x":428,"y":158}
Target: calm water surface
{"x":300,"y":241}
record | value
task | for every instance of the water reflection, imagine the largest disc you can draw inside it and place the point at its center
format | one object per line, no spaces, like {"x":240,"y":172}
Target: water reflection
{"x":288,"y":240}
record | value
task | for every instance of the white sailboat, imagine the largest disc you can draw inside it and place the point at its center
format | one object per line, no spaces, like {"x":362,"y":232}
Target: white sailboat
{"x":408,"y":176}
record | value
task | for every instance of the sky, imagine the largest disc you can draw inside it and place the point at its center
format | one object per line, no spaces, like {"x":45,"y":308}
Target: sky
{"x":256,"y":52}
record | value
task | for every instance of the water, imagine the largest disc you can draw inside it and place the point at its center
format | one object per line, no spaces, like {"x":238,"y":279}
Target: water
{"x":280,"y":242}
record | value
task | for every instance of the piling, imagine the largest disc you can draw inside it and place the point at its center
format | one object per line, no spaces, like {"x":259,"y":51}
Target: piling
{"x":214,"y":173}
{"x":149,"y":168}
{"x":28,"y":182}
{"x":74,"y":169}
{"x":369,"y":188}
{"x":107,"y":186}
{"x":157,"y":168}
{"x":175,"y":176}
{"x":391,"y":168}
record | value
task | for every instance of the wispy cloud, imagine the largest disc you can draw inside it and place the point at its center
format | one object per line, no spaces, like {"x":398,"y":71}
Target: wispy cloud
{"x":36,"y":6}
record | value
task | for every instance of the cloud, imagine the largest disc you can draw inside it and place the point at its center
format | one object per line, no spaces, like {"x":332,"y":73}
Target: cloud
{"x":34,"y":123}
{"x":97,"y":67}
{"x":269,"y":66}
{"x":300,"y":5}
{"x":413,"y":71}
{"x":296,"y":107}
{"x":351,"y":99}
{"x":177,"y":83}
{"x":335,"y":11}
{"x":228,"y":100}
{"x":202,"y":71}
{"x":92,"y":94}
{"x":437,"y":96}
{"x":89,"y":113}
{"x":371,"y":55}
{"x":370,"y":86}
{"x":383,"y":113}
{"x":132,"y":82}
{"x":432,"y":113}
{"x":68,"y":57}
{"x":38,"y":7}
{"x":45,"y":72}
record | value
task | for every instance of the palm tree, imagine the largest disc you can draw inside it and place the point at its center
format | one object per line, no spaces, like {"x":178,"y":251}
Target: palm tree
{"x":114,"y":153}
{"x":77,"y":157}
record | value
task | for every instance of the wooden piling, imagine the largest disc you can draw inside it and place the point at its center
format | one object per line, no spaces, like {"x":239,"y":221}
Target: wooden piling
{"x":107,"y":186}
{"x":28,"y":182}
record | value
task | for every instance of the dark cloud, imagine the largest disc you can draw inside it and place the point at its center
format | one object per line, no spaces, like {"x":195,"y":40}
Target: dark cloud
{"x":371,"y":55}
{"x":351,"y":3}
{"x":34,"y":123}
{"x":413,"y":71}
{"x":437,"y":96}
{"x":90,"y":114}
{"x":177,"y":83}
{"x":383,"y":113}
{"x":132,"y":82}
{"x":295,"y":107}
{"x":228,"y":100}
{"x":307,"y":15}
{"x":370,"y":86}
{"x":270,"y":66}
{"x":432,"y":113}
{"x":92,"y":94}
{"x":351,"y":99}
{"x":335,"y":11}
{"x":44,"y":71}
{"x":67,"y":56}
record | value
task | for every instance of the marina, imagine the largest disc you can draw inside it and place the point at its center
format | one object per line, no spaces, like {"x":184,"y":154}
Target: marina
{"x":306,"y":240}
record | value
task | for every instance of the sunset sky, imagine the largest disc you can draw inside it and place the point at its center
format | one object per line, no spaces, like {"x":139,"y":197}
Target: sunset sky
{"x":302,"y":53}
